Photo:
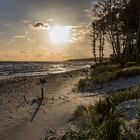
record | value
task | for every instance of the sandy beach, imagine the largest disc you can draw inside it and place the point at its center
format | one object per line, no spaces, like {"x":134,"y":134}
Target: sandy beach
{"x":18,"y":102}
{"x":60,"y":101}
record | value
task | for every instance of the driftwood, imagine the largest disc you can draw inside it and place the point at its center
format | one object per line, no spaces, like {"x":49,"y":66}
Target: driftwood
{"x":24,"y":98}
{"x":40,"y":103}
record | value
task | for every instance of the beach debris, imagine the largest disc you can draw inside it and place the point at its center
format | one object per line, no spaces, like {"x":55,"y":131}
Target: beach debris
{"x":69,"y":75}
{"x":42,"y":82}
{"x":34,"y":101}
{"x":24,"y":98}
{"x":52,"y":98}
{"x":38,"y":107}
{"x":73,"y":90}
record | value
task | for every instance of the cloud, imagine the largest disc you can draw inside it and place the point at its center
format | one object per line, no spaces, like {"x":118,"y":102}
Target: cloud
{"x":25,"y":21}
{"x":1,"y":41}
{"x":80,"y":33}
{"x":51,"y":20}
{"x":23,"y":52}
{"x":12,"y":40}
{"x":7,"y":56}
{"x":19,"y":36}
{"x":7,"y":24}
{"x":40,"y":25}
{"x":38,"y":55}
{"x":90,"y":11}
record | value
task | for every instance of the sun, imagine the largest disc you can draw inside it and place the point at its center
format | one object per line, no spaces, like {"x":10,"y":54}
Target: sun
{"x":59,"y":34}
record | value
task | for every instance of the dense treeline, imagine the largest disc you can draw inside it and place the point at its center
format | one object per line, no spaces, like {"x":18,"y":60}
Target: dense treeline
{"x":117,"y":23}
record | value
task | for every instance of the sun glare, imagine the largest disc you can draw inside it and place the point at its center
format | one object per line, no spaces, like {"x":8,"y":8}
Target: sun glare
{"x":59,"y":34}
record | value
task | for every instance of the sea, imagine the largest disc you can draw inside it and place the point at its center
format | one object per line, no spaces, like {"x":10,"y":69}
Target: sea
{"x":20,"y":69}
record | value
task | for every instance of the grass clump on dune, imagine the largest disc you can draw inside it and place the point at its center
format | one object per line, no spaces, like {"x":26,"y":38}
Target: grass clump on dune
{"x":83,"y":84}
{"x":103,"y":120}
{"x":100,"y":74}
{"x":128,"y":72}
{"x":106,"y":117}
{"x":106,"y":73}
{"x":113,"y":72}
{"x":107,"y":67}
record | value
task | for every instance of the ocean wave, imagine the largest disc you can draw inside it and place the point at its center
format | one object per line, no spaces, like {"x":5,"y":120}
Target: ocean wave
{"x":12,"y":69}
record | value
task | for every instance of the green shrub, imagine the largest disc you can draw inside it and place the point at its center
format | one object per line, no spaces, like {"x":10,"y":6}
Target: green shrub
{"x":104,"y":107}
{"x":103,"y":74}
{"x":128,"y":72}
{"x":82,"y":84}
{"x":103,"y":77}
{"x":110,"y":129}
{"x":80,"y":111}
{"x":106,"y":73}
{"x":104,"y":120}
{"x":127,"y":95}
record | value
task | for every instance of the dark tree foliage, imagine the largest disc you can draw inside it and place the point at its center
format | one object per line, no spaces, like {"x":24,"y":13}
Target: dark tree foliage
{"x":118,"y":23}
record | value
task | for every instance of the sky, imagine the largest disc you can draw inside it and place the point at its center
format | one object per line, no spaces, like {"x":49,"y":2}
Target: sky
{"x":25,"y":27}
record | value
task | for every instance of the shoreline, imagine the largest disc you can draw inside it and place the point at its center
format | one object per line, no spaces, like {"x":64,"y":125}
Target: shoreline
{"x":8,"y":85}
{"x":41,"y":75}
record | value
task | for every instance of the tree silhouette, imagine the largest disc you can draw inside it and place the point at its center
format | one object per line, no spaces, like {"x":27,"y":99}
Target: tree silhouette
{"x":115,"y":25}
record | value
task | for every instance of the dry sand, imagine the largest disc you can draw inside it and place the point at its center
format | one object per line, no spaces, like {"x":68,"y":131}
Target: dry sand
{"x":59,"y":103}
{"x":61,"y":98}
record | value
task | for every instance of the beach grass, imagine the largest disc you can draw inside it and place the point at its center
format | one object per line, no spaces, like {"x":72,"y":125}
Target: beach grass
{"x":104,"y":106}
{"x":106,"y":73}
{"x":102,"y":120}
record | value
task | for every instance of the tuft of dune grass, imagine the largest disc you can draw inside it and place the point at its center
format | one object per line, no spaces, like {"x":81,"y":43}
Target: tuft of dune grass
{"x":106,"y":73}
{"x":101,"y":121}
{"x":105,"y":106}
